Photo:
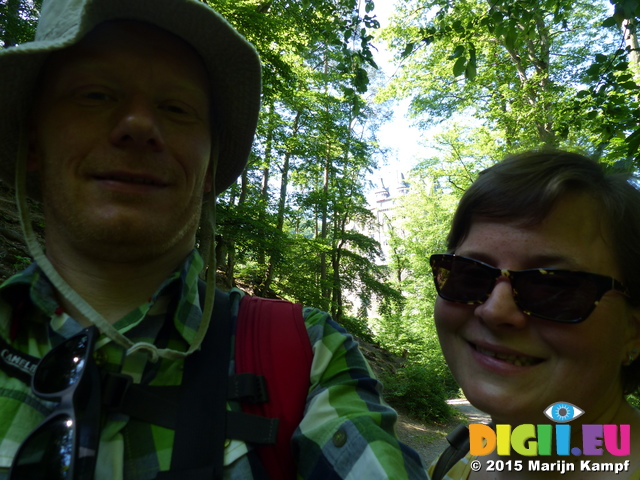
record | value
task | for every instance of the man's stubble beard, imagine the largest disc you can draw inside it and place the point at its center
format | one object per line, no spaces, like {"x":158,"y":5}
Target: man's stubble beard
{"x":121,"y":240}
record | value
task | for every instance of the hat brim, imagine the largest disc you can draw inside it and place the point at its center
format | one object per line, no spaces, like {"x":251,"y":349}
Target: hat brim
{"x":232,"y":63}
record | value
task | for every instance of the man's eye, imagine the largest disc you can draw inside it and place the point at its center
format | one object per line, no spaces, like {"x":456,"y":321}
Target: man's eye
{"x":91,"y":95}
{"x":174,"y":108}
{"x":96,"y":96}
{"x":180,"y":110}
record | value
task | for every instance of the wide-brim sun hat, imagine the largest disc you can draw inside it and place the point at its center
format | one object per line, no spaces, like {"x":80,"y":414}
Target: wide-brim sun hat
{"x":231,"y":62}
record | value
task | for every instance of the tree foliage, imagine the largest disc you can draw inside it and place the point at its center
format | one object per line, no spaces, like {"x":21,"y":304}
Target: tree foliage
{"x":516,"y":66}
{"x":288,"y":228}
{"x":17,"y":21}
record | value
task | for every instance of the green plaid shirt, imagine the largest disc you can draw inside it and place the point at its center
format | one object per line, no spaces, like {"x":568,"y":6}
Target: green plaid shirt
{"x":343,"y":399}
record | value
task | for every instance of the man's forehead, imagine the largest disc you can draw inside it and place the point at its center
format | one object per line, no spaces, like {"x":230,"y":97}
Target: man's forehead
{"x":130,"y":32}
{"x":132,"y":35}
{"x":96,"y":49}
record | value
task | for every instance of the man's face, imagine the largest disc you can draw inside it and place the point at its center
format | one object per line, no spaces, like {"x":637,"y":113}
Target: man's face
{"x":122,"y":140}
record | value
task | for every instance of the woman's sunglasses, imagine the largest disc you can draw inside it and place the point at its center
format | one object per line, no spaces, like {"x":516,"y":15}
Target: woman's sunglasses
{"x":559,"y":295}
{"x":65,"y":444}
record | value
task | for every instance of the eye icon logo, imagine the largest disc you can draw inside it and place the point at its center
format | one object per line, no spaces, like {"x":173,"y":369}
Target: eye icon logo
{"x":563,"y":412}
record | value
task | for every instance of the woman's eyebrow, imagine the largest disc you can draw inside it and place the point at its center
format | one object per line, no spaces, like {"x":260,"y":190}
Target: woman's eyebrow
{"x":541,"y":260}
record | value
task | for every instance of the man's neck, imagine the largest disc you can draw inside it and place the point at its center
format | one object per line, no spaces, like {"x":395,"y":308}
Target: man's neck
{"x":113,"y":289}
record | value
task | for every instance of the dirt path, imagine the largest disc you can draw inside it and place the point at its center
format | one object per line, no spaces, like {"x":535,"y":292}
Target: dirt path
{"x":429,"y":440}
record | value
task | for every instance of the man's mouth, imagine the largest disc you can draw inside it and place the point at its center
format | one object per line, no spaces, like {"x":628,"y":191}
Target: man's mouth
{"x":133,"y":179}
{"x":517,"y":360}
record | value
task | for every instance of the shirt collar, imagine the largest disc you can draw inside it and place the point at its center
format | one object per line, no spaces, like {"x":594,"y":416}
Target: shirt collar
{"x":32,"y":283}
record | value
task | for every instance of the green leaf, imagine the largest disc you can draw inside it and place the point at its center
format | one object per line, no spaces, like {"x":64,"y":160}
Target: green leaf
{"x":369,"y":7}
{"x":408,"y":49}
{"x":457,"y":52}
{"x":629,"y":7}
{"x":633,"y":141}
{"x":470,"y":72}
{"x":471,"y":69}
{"x":593,"y":70}
{"x":458,"y":26}
{"x":459,"y":67}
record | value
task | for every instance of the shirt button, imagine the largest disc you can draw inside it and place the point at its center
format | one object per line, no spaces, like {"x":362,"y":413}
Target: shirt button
{"x":100,"y":357}
{"x":339,"y":438}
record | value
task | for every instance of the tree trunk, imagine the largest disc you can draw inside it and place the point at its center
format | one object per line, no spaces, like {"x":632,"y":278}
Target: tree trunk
{"x":629,"y":27}
{"x":282,"y":203}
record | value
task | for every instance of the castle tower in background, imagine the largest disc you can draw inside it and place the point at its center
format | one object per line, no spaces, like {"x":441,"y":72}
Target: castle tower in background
{"x":384,"y":208}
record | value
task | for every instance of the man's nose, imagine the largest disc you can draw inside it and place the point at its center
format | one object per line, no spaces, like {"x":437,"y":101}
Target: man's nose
{"x":136,"y":126}
{"x":500,"y":309}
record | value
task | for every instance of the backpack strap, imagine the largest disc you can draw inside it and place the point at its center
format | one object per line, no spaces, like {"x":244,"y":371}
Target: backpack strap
{"x":272,"y":341}
{"x":198,"y":447}
{"x":458,"y":447}
{"x":16,"y":363}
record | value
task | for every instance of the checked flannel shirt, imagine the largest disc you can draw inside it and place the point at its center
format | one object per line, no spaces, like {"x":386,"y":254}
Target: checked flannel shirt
{"x":343,"y":397}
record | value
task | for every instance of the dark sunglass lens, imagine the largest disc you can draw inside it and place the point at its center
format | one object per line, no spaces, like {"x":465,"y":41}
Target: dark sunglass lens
{"x":62,"y":367}
{"x":559,"y":296}
{"x":47,"y":453}
{"x":463,"y":280}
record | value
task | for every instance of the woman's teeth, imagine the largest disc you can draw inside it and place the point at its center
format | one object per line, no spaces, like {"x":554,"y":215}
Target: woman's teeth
{"x":517,"y":360}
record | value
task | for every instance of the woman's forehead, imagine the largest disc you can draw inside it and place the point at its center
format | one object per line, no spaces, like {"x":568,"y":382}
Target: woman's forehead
{"x":572,"y":235}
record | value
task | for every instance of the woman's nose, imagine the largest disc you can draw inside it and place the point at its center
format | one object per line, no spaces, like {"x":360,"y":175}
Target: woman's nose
{"x":500,"y":309}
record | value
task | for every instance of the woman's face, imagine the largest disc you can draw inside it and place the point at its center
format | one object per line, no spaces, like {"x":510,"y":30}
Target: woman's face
{"x":512,"y":365}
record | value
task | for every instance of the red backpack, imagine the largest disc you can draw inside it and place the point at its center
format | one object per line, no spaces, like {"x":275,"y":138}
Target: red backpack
{"x":272,"y":341}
